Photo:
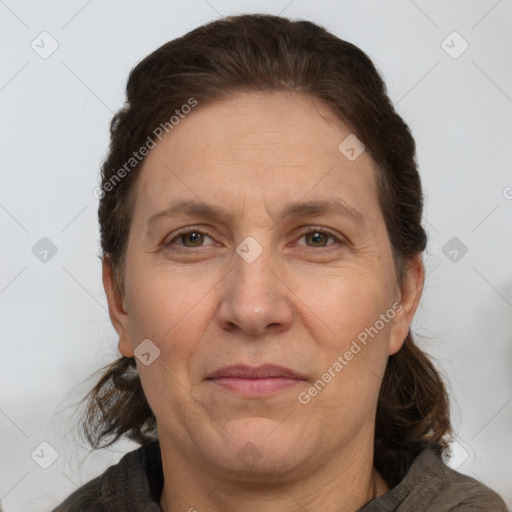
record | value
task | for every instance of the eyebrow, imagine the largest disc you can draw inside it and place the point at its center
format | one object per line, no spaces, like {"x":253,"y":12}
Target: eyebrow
{"x":193,"y":208}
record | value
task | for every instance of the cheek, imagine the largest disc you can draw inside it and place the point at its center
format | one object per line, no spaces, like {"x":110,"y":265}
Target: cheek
{"x":356,"y":316}
{"x":172,"y":321}
{"x":340,"y":303}
{"x":161,"y":317}
{"x":361,"y":311}
{"x":160,"y":304}
{"x":351,"y":363}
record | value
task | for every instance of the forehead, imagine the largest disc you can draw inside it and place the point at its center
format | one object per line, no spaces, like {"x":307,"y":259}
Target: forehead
{"x":274,"y":148}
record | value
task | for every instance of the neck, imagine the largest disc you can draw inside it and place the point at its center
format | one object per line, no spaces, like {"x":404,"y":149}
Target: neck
{"x":339,"y":487}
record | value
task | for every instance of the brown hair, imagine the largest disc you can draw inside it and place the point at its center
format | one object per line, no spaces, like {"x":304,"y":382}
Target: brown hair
{"x":270,"y":53}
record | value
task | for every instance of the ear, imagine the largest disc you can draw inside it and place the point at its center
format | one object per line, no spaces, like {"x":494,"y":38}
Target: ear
{"x":116,"y":309}
{"x":410,"y":294}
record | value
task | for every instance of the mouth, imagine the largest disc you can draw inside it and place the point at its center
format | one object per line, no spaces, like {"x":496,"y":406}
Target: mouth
{"x":255,"y":381}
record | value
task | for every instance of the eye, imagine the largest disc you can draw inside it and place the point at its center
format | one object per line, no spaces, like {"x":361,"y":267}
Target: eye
{"x":317,"y":237}
{"x":194,"y":235}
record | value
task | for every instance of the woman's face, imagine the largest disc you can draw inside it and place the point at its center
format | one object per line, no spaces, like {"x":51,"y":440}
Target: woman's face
{"x":270,"y":282}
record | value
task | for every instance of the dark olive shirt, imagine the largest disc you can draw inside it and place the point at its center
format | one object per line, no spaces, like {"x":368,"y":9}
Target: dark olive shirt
{"x":135,"y":484}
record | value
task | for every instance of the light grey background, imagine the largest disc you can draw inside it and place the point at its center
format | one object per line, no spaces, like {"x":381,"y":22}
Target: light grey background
{"x":55,"y":114}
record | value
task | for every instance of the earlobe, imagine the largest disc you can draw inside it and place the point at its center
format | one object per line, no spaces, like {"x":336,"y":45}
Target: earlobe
{"x":411,"y":291}
{"x":125,"y":347}
{"x":116,"y":308}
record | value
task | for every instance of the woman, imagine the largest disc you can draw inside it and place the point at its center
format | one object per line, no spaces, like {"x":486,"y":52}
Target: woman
{"x":260,"y":215}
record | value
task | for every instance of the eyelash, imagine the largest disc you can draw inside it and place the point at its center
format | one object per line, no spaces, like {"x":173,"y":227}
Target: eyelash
{"x":203,"y":232}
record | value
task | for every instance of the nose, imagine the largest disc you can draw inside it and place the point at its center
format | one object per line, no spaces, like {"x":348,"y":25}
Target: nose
{"x":254,"y":298}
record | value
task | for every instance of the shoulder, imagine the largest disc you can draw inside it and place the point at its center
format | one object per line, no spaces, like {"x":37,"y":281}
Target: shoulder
{"x":456,"y":491}
{"x":87,"y":497}
{"x":462,"y":493}
{"x":133,"y":482}
{"x":431,"y":486}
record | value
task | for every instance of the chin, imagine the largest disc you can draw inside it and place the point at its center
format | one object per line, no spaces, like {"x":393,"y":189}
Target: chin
{"x":259,"y":446}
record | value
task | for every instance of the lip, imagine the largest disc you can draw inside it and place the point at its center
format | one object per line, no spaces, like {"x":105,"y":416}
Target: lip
{"x":265,"y":371}
{"x":255,"y":381}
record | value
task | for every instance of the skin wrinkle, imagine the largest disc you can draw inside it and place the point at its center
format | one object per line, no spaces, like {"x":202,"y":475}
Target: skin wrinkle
{"x":294,"y":305}
{"x":301,"y":209}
